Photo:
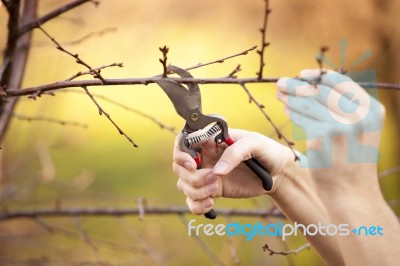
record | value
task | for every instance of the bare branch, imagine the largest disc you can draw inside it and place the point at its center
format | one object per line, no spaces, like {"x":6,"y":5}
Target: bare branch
{"x":203,"y":245}
{"x":49,"y":119}
{"x":222,"y":60}
{"x":64,"y":212}
{"x":164,"y":50}
{"x":55,"y":13}
{"x":320,"y":60}
{"x":234,"y":72}
{"x":389,"y":172}
{"x":98,"y":69}
{"x":15,"y":60}
{"x":38,"y":90}
{"x":94,"y":72}
{"x":286,"y":252}
{"x":279,"y":133}
{"x":101,"y":111}
{"x":91,"y":35}
{"x":129,"y":109}
{"x":87,"y":240}
{"x":264,"y":42}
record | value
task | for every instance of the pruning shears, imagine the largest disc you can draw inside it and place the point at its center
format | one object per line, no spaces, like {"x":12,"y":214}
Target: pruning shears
{"x":187,"y":103}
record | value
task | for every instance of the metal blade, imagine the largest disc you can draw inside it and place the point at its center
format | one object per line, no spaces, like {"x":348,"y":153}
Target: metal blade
{"x":184,"y":100}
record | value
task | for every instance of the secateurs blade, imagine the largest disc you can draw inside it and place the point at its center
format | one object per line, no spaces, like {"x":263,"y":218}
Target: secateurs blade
{"x":187,"y":103}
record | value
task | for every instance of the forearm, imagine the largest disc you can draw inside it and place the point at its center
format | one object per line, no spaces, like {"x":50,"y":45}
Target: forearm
{"x":376,"y":236}
{"x":296,"y":196}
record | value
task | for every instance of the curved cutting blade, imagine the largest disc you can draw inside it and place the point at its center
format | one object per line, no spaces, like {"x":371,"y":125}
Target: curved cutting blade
{"x":184,"y":100}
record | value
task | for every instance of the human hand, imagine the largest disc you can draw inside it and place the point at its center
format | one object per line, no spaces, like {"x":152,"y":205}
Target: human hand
{"x":343,"y":126}
{"x":223,"y":174}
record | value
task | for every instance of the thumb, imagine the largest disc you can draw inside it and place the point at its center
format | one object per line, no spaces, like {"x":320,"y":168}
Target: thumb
{"x":243,"y":149}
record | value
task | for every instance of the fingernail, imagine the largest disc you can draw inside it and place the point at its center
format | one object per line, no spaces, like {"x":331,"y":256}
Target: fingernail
{"x":211,"y":188}
{"x":211,"y":178}
{"x":220,"y":167}
{"x":188,"y":165}
{"x":207,"y":203}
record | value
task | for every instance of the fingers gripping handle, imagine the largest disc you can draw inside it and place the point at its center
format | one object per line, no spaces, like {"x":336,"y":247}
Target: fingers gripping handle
{"x":211,"y":214}
{"x":254,"y":165}
{"x":257,"y":168}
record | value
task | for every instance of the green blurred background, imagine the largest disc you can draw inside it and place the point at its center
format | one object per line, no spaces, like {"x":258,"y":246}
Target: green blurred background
{"x":43,"y":164}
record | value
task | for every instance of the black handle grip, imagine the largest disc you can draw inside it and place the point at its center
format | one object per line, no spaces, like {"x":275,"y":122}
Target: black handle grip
{"x":211,"y":214}
{"x":261,"y":172}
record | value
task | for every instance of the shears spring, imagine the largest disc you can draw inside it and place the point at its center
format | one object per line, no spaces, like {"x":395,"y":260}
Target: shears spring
{"x":211,"y":133}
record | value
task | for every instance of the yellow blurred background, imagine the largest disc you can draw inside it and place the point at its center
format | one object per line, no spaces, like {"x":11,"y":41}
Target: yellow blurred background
{"x":44,"y":163}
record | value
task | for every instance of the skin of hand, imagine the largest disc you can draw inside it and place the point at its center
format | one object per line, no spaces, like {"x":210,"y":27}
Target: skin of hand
{"x":224,"y":175}
{"x":349,"y":190}
{"x":341,"y":193}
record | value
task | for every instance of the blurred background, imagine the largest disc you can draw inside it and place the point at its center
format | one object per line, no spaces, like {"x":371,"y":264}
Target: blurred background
{"x":45,"y":164}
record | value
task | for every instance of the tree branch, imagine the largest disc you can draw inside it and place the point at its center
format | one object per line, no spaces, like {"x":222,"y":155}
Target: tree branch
{"x":222,"y":60}
{"x":55,"y":13}
{"x":48,"y":119}
{"x":279,"y":133}
{"x":14,"y":63}
{"x":38,"y":90}
{"x":98,"y":69}
{"x":116,"y":212}
{"x":286,"y":252}
{"x":264,"y":42}
{"x":101,"y":111}
{"x":130,"y":109}
{"x":94,"y":72}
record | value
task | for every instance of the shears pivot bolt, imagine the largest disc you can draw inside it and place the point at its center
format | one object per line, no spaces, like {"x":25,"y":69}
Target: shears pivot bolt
{"x":194,"y":117}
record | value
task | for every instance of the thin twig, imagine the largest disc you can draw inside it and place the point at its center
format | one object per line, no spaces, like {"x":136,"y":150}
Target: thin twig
{"x":38,"y":90}
{"x":94,"y":72}
{"x":116,"y":212}
{"x":72,"y":234}
{"x":129,"y":109}
{"x":164,"y":50}
{"x":320,"y":60}
{"x":264,"y":42}
{"x":55,"y":13}
{"x":49,"y":119}
{"x":286,"y":252}
{"x":222,"y":60}
{"x":232,"y":248}
{"x":146,"y":246}
{"x":98,"y":69}
{"x":279,"y":133}
{"x":203,"y":244}
{"x":91,"y":35}
{"x":389,"y":172}
{"x":101,"y":111}
{"x":234,"y":72}
{"x":86,"y":239}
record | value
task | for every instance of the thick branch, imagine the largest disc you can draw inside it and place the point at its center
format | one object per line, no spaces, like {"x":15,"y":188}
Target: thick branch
{"x":38,"y":90}
{"x":15,"y":66}
{"x":55,"y":13}
{"x":132,"y":212}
